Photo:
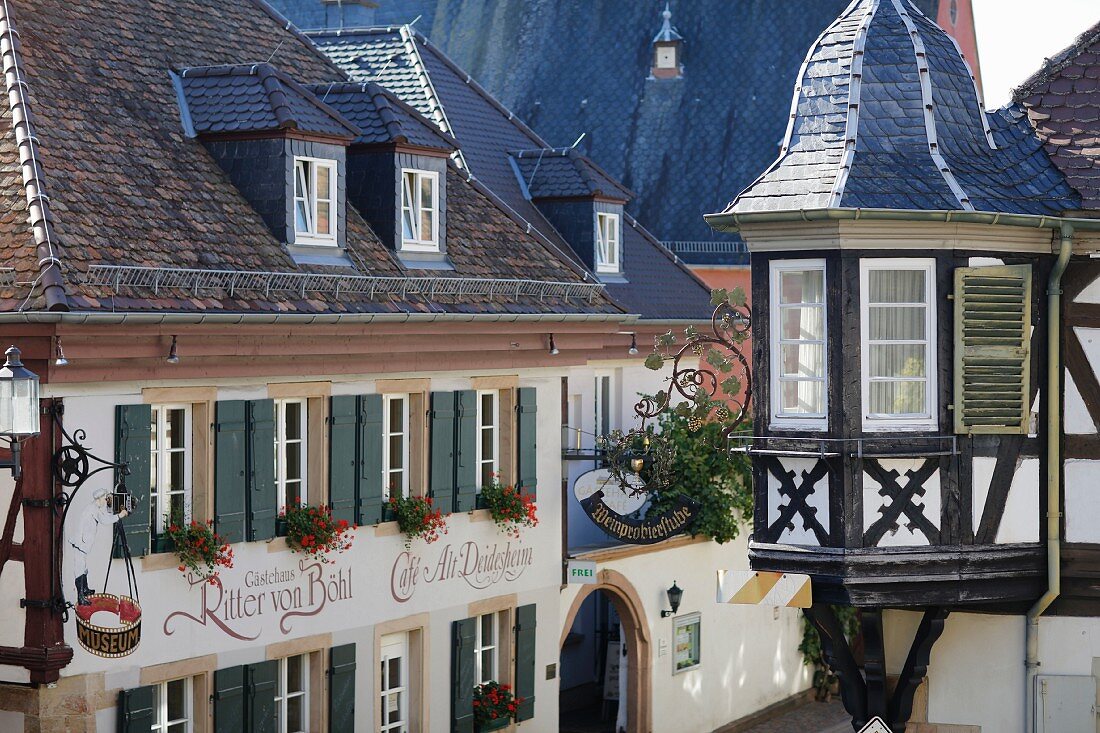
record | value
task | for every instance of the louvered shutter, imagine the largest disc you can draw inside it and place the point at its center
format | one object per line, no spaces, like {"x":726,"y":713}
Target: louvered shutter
{"x":341,"y":701}
{"x":467,"y":475}
{"x":525,"y":661}
{"x":261,"y":696}
{"x":992,"y":349}
{"x":135,"y":710}
{"x":230,"y":466}
{"x":370,"y":459}
{"x":229,"y":700}
{"x":132,"y":447}
{"x":527,"y":457}
{"x":462,"y":675}
{"x":263,"y":495}
{"x":342,"y":458}
{"x":441,"y":476}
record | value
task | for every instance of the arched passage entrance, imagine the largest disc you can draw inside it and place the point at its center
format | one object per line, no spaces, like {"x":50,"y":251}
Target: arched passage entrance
{"x":635,"y":630}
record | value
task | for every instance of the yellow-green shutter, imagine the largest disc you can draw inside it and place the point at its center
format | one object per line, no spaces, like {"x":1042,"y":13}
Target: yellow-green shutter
{"x":992,"y":349}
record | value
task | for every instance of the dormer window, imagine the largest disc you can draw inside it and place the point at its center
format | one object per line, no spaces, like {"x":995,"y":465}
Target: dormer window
{"x":419,"y":210}
{"x":314,"y":197}
{"x":607,"y":242}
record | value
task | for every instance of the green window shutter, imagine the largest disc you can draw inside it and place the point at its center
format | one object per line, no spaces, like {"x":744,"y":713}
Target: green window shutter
{"x":263,"y":497}
{"x":370,"y":459}
{"x":132,"y":447}
{"x":341,"y":457}
{"x":135,"y":710}
{"x":525,"y":661}
{"x":341,"y":688}
{"x":230,"y":482}
{"x":467,"y":476}
{"x":441,"y":477}
{"x":527,"y":445}
{"x":229,"y":700}
{"x":992,"y":349}
{"x":462,"y":675}
{"x":262,"y":687}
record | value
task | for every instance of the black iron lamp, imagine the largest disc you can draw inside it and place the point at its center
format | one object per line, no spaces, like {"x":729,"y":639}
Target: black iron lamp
{"x":19,"y":413}
{"x":675,"y":595}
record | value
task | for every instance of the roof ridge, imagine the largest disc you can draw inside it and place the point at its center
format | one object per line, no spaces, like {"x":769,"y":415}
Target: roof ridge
{"x":39,"y":214}
{"x":583,"y":161}
{"x":1056,"y":63}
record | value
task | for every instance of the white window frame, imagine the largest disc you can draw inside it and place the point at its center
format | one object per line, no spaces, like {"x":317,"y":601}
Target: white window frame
{"x":160,"y":712}
{"x":387,"y":433}
{"x":607,"y":246}
{"x":302,"y":167}
{"x":795,"y":420}
{"x":414,"y":204}
{"x":160,"y":459}
{"x":283,"y":697}
{"x":885,"y":423}
{"x":481,"y":644}
{"x":493,"y":427}
{"x":394,"y":646}
{"x":281,"y":443}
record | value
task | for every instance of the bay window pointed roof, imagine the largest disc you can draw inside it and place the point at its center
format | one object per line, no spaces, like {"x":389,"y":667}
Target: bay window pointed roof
{"x":886,"y":115}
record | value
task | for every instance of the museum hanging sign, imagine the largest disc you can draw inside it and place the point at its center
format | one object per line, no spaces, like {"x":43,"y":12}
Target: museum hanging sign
{"x":613,"y":509}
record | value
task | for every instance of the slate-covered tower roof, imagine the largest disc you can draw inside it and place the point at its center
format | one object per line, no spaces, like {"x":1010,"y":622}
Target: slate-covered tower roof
{"x":886,"y":115}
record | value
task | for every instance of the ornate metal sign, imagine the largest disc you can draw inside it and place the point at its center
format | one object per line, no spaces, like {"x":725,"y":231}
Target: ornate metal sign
{"x":645,"y":531}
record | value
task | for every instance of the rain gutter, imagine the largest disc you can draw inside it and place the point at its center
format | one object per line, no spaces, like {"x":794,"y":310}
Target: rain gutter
{"x":732,"y":222}
{"x":147,"y":318}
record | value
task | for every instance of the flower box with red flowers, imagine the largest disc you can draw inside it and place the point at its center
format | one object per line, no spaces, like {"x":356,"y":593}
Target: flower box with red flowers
{"x":314,"y":531}
{"x":200,"y":550}
{"x":417,"y":518}
{"x":494,"y":706}
{"x":510,"y":508}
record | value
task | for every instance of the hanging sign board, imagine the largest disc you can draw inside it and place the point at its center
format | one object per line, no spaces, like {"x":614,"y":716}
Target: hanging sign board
{"x":614,"y":497}
{"x":581,"y":571}
{"x":647,"y":531}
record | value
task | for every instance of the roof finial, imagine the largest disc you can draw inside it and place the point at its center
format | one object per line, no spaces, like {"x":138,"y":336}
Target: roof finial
{"x":667,"y":32}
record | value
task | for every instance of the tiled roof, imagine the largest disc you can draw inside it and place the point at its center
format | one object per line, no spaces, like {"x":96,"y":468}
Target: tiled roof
{"x":886,"y":115}
{"x":407,"y":64}
{"x":565,"y":173}
{"x":255,"y":98}
{"x":130,"y":189}
{"x":1063,"y":102}
{"x":382,"y":117}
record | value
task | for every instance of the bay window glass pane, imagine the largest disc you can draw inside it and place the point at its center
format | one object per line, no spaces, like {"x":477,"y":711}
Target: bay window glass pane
{"x":896,"y":286}
{"x":802,"y":323}
{"x":897,"y":323}
{"x":805,"y":359}
{"x":805,"y":286}
{"x":897,"y":360}
{"x":897,"y":398}
{"x":804,"y":397}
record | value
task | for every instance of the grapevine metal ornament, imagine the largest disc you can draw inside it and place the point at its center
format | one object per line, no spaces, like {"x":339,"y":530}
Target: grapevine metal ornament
{"x":710,"y":381}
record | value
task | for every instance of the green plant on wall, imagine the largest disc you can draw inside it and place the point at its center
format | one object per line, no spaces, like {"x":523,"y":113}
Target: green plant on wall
{"x":704,"y":470}
{"x":813,"y":655}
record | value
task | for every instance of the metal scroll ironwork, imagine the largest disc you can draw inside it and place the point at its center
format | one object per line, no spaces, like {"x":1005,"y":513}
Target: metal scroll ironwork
{"x":710,"y":381}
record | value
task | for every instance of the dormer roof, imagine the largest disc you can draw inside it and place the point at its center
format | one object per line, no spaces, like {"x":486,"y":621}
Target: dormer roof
{"x":255,"y":98}
{"x":381,"y":117}
{"x":564,"y":173}
{"x":886,"y":115}
{"x":668,"y":32}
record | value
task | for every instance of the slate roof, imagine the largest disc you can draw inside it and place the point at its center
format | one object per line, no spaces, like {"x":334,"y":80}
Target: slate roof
{"x":129,"y":190}
{"x":382,"y":117}
{"x":407,"y":64}
{"x":867,"y":132}
{"x":1063,"y":103}
{"x":255,"y":98}
{"x":565,"y":173}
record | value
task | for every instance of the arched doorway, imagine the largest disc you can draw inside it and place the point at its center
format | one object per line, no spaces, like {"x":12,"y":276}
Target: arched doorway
{"x":630,"y":616}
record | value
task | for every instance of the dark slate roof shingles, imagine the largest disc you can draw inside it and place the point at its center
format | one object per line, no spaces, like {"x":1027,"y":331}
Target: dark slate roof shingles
{"x":565,"y":173}
{"x":381,"y":116}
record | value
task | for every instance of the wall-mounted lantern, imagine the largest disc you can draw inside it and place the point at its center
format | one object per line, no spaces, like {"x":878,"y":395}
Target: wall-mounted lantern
{"x":675,"y":595}
{"x":19,"y":411}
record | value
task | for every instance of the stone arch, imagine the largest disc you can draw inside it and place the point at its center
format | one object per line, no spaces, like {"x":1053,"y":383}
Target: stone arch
{"x":628,"y":605}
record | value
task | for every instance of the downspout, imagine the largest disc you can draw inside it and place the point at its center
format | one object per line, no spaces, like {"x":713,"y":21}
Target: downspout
{"x":1053,"y":399}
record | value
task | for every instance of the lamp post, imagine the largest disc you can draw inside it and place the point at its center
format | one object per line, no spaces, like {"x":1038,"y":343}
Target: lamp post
{"x":19,"y":411}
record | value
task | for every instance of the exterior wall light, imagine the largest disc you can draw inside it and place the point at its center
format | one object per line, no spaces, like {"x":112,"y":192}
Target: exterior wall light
{"x":173,"y":357}
{"x":633,"y":350}
{"x":675,"y":595}
{"x":60,"y":359}
{"x":19,"y":411}
{"x":553,"y":348}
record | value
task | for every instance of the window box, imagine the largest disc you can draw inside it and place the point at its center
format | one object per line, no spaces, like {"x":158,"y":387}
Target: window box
{"x":500,"y":724}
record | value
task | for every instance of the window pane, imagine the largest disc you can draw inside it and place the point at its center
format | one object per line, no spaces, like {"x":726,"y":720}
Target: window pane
{"x":802,"y":398}
{"x":294,"y":673}
{"x":896,"y":324}
{"x":427,"y":199}
{"x":176,"y":464}
{"x":180,"y":727}
{"x":805,"y":359}
{"x":295,"y":714}
{"x":301,"y":217}
{"x":408,"y":217}
{"x":395,"y":708}
{"x":802,"y":286}
{"x":293,"y":420}
{"x":488,"y":635}
{"x":488,"y":446}
{"x":802,"y":323}
{"x":897,"y":360}
{"x":153,"y":429}
{"x":487,"y":671}
{"x":426,"y":224}
{"x":324,"y":182}
{"x":395,"y":673}
{"x":487,"y":409}
{"x":301,"y":179}
{"x":397,"y":458}
{"x":293,"y":462}
{"x":486,"y":474}
{"x":174,"y":436}
{"x":897,"y":398}
{"x":177,"y":699}
{"x":176,"y":508}
{"x":896,"y":286}
{"x":324,"y":216}
{"x":397,"y":416}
